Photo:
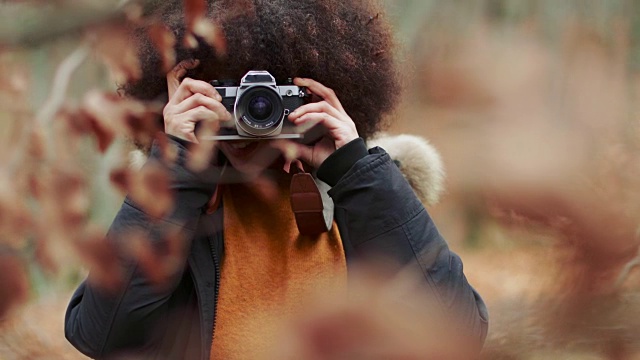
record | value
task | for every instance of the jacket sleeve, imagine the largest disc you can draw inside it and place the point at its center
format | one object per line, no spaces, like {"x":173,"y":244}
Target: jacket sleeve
{"x":378,"y":214}
{"x":100,"y":323}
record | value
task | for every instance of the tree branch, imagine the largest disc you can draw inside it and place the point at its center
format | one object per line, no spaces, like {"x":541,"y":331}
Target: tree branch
{"x":22,"y":25}
{"x":51,"y":106}
{"x":626,"y":270}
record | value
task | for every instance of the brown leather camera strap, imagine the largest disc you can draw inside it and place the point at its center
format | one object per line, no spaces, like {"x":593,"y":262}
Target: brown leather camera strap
{"x":306,"y":203}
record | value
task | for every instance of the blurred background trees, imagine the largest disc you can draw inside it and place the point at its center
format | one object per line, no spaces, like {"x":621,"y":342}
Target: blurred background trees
{"x":533,"y":104}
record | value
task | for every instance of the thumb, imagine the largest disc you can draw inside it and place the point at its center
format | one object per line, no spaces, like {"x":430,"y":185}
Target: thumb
{"x":304,"y":153}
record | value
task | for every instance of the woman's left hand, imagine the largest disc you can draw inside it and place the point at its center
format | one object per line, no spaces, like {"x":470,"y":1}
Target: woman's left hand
{"x":328,"y":112}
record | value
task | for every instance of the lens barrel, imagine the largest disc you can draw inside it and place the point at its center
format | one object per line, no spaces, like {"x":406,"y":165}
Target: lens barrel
{"x":259,"y":110}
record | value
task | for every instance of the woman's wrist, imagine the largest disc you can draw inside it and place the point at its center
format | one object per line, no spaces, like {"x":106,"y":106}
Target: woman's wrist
{"x":341,"y":161}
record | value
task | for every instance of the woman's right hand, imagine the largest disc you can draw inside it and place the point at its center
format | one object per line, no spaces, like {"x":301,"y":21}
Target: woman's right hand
{"x":190,"y":101}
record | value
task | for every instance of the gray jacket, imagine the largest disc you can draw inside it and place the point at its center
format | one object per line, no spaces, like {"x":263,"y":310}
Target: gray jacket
{"x":376,"y":211}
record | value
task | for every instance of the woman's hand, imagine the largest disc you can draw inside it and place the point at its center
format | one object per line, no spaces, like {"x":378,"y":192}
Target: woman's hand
{"x":328,"y":112}
{"x":190,"y":101}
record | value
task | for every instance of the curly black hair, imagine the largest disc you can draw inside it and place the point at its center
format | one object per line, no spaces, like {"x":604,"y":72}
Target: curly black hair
{"x":346,"y":45}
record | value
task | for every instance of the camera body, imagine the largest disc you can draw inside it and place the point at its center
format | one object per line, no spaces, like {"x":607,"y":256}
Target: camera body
{"x":260,"y":107}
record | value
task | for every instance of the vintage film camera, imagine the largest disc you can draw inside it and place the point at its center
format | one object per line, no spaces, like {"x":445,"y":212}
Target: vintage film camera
{"x":260,"y":108}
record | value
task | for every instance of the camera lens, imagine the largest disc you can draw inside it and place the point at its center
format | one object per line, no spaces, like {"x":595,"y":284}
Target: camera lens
{"x":260,"y":108}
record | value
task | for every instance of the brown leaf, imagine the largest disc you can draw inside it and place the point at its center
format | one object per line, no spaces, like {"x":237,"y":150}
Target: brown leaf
{"x":35,"y":186}
{"x":115,"y":46}
{"x":82,"y":122}
{"x":15,"y":218}
{"x":150,"y":189}
{"x":201,"y":153}
{"x":190,"y":41}
{"x":43,"y":256}
{"x":143,"y":127}
{"x":375,"y":321}
{"x":37,"y":143}
{"x":164,"y":41}
{"x":158,"y":261}
{"x":120,"y":178}
{"x":101,"y":256}
{"x":140,"y":248}
{"x":70,"y":195}
{"x":168,"y":150}
{"x":104,"y":134}
{"x":211,"y":34}
{"x":14,"y":285}
{"x":109,"y":114}
{"x":193,"y":11}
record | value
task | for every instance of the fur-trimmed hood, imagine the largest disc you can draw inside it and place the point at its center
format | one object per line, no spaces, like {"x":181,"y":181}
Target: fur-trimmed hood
{"x":418,"y":160}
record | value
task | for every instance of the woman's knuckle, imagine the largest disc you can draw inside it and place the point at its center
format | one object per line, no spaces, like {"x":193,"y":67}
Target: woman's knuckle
{"x":203,"y":112}
{"x":199,"y":98}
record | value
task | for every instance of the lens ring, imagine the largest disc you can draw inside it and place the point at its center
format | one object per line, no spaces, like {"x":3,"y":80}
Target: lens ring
{"x":259,"y":110}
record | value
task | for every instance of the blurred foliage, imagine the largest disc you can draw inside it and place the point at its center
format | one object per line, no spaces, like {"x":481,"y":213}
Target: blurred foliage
{"x":533,"y":104}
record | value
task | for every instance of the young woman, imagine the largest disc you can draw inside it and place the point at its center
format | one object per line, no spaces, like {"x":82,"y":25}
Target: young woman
{"x":246,"y":262}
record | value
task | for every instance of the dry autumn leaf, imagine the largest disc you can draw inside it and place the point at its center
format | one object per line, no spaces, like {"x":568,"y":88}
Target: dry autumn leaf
{"x":193,"y":11}
{"x":109,"y":114}
{"x":120,"y":178}
{"x":36,"y":146}
{"x":211,"y":34}
{"x":168,"y":150}
{"x":70,"y":197}
{"x":375,"y":321}
{"x":157,"y":262}
{"x":115,"y":46}
{"x":101,"y":256}
{"x":14,"y":285}
{"x":150,"y":189}
{"x":81,"y":123}
{"x":201,"y":154}
{"x":164,"y":40}
{"x":43,"y":257}
{"x":15,"y":218}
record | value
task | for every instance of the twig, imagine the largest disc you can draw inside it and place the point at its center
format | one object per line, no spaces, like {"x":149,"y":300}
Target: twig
{"x":40,"y":26}
{"x":53,"y":103}
{"x":626,"y":270}
{"x":60,"y":84}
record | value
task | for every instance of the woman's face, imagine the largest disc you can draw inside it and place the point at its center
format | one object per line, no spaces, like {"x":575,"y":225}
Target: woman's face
{"x":250,"y":157}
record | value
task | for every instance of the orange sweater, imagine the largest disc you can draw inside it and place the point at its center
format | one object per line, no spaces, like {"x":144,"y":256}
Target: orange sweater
{"x":269,"y":270}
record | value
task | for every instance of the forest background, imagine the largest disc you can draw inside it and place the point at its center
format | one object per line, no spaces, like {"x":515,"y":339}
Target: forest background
{"x":532,"y":104}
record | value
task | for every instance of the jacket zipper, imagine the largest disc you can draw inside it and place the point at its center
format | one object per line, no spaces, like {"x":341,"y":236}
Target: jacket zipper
{"x":216,"y":263}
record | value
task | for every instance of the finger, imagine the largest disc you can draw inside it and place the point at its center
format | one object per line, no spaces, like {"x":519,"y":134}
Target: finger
{"x":184,"y":130}
{"x":318,"y":107}
{"x":190,"y":86}
{"x":340,"y":131}
{"x":199,"y":99}
{"x":292,"y":150}
{"x":174,"y":77}
{"x":324,"y":92}
{"x":184,"y":125}
{"x":200,"y":113}
{"x":304,"y":153}
{"x":328,"y":121}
